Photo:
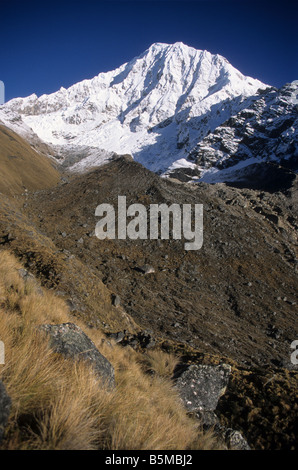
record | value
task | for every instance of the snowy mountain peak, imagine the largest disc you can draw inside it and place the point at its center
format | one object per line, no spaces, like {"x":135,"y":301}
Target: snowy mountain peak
{"x":155,"y":107}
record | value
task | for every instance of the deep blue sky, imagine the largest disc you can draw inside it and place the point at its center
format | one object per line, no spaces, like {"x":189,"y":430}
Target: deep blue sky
{"x":49,"y":44}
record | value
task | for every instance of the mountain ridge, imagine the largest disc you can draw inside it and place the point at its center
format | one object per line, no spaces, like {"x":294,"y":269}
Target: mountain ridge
{"x":156,"y":107}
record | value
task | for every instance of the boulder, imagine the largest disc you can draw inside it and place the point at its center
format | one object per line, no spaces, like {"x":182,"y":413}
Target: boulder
{"x":116,"y":301}
{"x":70,"y":341}
{"x":5,"y":405}
{"x":201,"y":386}
{"x":146,"y":269}
{"x":234,"y":440}
{"x":208,"y":419}
{"x":142,"y":340}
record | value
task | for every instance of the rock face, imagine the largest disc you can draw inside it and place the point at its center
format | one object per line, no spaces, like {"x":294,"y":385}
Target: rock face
{"x":70,"y":341}
{"x":265,"y":130}
{"x":5,"y":405}
{"x":201,"y":386}
{"x":234,"y":440}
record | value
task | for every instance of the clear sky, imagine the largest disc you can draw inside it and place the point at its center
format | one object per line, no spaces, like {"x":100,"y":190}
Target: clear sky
{"x":49,"y":44}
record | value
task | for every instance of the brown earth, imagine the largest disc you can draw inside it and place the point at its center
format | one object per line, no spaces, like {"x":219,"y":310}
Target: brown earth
{"x":21,"y":167}
{"x":236,"y":296}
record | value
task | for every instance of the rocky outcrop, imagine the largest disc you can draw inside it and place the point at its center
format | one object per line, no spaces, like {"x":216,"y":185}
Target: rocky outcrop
{"x":201,"y":386}
{"x":5,"y":405}
{"x":264,"y":130}
{"x":70,"y":341}
{"x":141,"y":340}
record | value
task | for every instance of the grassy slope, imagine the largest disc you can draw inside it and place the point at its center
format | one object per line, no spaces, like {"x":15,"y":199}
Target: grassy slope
{"x":57,"y":269}
{"x":57,"y":404}
{"x":21,"y":167}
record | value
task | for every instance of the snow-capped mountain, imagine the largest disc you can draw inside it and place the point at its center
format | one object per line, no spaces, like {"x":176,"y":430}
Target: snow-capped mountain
{"x":156,"y":107}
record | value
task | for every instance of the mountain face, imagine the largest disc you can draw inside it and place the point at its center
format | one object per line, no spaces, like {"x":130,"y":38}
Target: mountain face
{"x":156,"y":107}
{"x":266,"y":130}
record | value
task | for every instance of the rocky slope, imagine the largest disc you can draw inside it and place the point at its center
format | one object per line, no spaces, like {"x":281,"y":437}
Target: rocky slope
{"x":236,"y":296}
{"x":266,"y":130}
{"x":232,"y":302}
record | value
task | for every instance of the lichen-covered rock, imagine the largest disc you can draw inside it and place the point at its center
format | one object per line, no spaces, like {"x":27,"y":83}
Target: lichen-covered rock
{"x":230,"y":438}
{"x":207,"y":419}
{"x":201,"y":386}
{"x":234,"y":440}
{"x":5,"y":405}
{"x":70,"y":341}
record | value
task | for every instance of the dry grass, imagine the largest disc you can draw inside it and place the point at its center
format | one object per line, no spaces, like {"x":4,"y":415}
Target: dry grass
{"x":159,"y":362}
{"x":16,"y":156}
{"x":58,"y":404}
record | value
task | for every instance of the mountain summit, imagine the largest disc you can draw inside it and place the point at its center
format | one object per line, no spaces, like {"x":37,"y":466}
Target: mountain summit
{"x":156,"y":107}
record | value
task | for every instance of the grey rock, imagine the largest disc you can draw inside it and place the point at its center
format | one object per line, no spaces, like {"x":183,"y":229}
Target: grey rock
{"x":25,"y":275}
{"x":201,"y":386}
{"x":231,"y":439}
{"x":117,"y":337}
{"x":234,"y":440}
{"x":143,"y":339}
{"x":208,"y":419}
{"x":146,"y":269}
{"x":116,"y":301}
{"x":70,"y":341}
{"x":28,"y":277}
{"x":5,"y":405}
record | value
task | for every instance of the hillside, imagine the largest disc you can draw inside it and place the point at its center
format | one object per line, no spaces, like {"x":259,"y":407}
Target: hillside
{"x":21,"y":167}
{"x":232,"y":302}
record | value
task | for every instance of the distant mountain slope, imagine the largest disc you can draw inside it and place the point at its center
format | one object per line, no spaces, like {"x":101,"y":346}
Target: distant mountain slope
{"x":266,"y":130}
{"x":155,"y":107}
{"x":21,"y":167}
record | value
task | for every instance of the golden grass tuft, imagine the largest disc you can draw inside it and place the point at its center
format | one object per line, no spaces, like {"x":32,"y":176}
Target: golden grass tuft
{"x":159,"y":362}
{"x":58,"y":404}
